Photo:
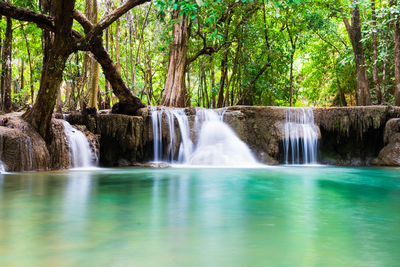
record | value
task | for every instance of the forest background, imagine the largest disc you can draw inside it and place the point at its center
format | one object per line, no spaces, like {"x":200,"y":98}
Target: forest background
{"x":217,"y":53}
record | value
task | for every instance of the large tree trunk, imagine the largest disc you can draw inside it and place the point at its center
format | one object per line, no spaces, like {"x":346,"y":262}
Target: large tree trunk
{"x":397,"y":59}
{"x":6,"y":68}
{"x":62,"y":45}
{"x":175,"y":88}
{"x":41,"y":113}
{"x":354,"y":32}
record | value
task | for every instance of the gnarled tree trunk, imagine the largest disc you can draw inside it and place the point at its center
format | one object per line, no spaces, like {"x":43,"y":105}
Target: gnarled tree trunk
{"x":40,"y":115}
{"x":175,"y":87}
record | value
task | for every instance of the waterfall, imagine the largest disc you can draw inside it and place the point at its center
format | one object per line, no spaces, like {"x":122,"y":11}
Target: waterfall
{"x":169,"y":151}
{"x":217,"y":143}
{"x":81,"y":154}
{"x":300,"y":136}
{"x":2,"y":167}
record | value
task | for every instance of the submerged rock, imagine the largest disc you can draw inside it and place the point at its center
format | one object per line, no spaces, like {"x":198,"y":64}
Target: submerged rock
{"x":159,"y":165}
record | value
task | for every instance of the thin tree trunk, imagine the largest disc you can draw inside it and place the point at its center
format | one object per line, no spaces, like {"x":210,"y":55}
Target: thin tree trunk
{"x":150,"y":77}
{"x":384,"y":79}
{"x":22,"y":75}
{"x":396,"y":59}
{"x":28,"y":50}
{"x":140,"y":44}
{"x":293,"y":41}
{"x":213,"y":100}
{"x":175,"y":87}
{"x":291,"y":79}
{"x":224,"y":71}
{"x":6,"y":68}
{"x":234,"y":70}
{"x":87,"y":64}
{"x":95,"y":67}
{"x":118,"y":45}
{"x":107,"y":99}
{"x":203,"y":73}
{"x":375,"y":54}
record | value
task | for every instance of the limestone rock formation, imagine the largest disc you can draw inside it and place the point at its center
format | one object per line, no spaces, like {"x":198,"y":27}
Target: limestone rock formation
{"x":21,"y":147}
{"x":390,"y":154}
{"x":123,"y":139}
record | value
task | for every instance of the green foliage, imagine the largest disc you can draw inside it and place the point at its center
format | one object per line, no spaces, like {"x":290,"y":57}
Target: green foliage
{"x":249,"y":34}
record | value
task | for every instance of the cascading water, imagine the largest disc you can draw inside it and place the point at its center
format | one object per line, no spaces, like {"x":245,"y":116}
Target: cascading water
{"x":301,"y":137}
{"x":81,"y":154}
{"x":2,"y":167}
{"x":217,"y":143}
{"x":170,"y":151}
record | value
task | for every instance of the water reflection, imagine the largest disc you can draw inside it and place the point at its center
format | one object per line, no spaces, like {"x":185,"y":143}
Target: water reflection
{"x":77,"y":193}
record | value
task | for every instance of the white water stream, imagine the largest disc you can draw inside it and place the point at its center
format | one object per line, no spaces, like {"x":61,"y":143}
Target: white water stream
{"x":217,"y":144}
{"x":301,"y":137}
{"x":2,"y":167}
{"x":81,"y":154}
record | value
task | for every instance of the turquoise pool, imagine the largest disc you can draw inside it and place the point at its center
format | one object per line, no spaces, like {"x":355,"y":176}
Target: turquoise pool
{"x":278,"y":216}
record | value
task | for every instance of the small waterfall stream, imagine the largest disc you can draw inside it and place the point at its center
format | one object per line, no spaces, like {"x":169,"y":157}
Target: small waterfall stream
{"x":301,"y":137}
{"x":217,"y":144}
{"x":2,"y":167}
{"x":81,"y":154}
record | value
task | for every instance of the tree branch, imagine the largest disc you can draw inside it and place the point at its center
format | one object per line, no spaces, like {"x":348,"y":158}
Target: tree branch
{"x":116,"y":14}
{"x":23,"y":14}
{"x":83,"y":20}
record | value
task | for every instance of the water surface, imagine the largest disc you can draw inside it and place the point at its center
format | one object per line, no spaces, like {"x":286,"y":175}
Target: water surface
{"x":281,"y":216}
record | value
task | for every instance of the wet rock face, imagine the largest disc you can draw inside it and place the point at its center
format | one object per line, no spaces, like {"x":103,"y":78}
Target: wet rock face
{"x":390,"y":154}
{"x":123,"y":139}
{"x":22,"y":148}
{"x":60,"y":154}
{"x":351,"y":136}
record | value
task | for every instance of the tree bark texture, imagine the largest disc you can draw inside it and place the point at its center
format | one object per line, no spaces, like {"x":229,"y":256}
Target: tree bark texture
{"x":41,"y":113}
{"x":175,"y":88}
{"x":6,"y":68}
{"x":95,"y":67}
{"x":66,"y":41}
{"x":224,"y":72}
{"x":375,"y":54}
{"x":354,"y":32}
